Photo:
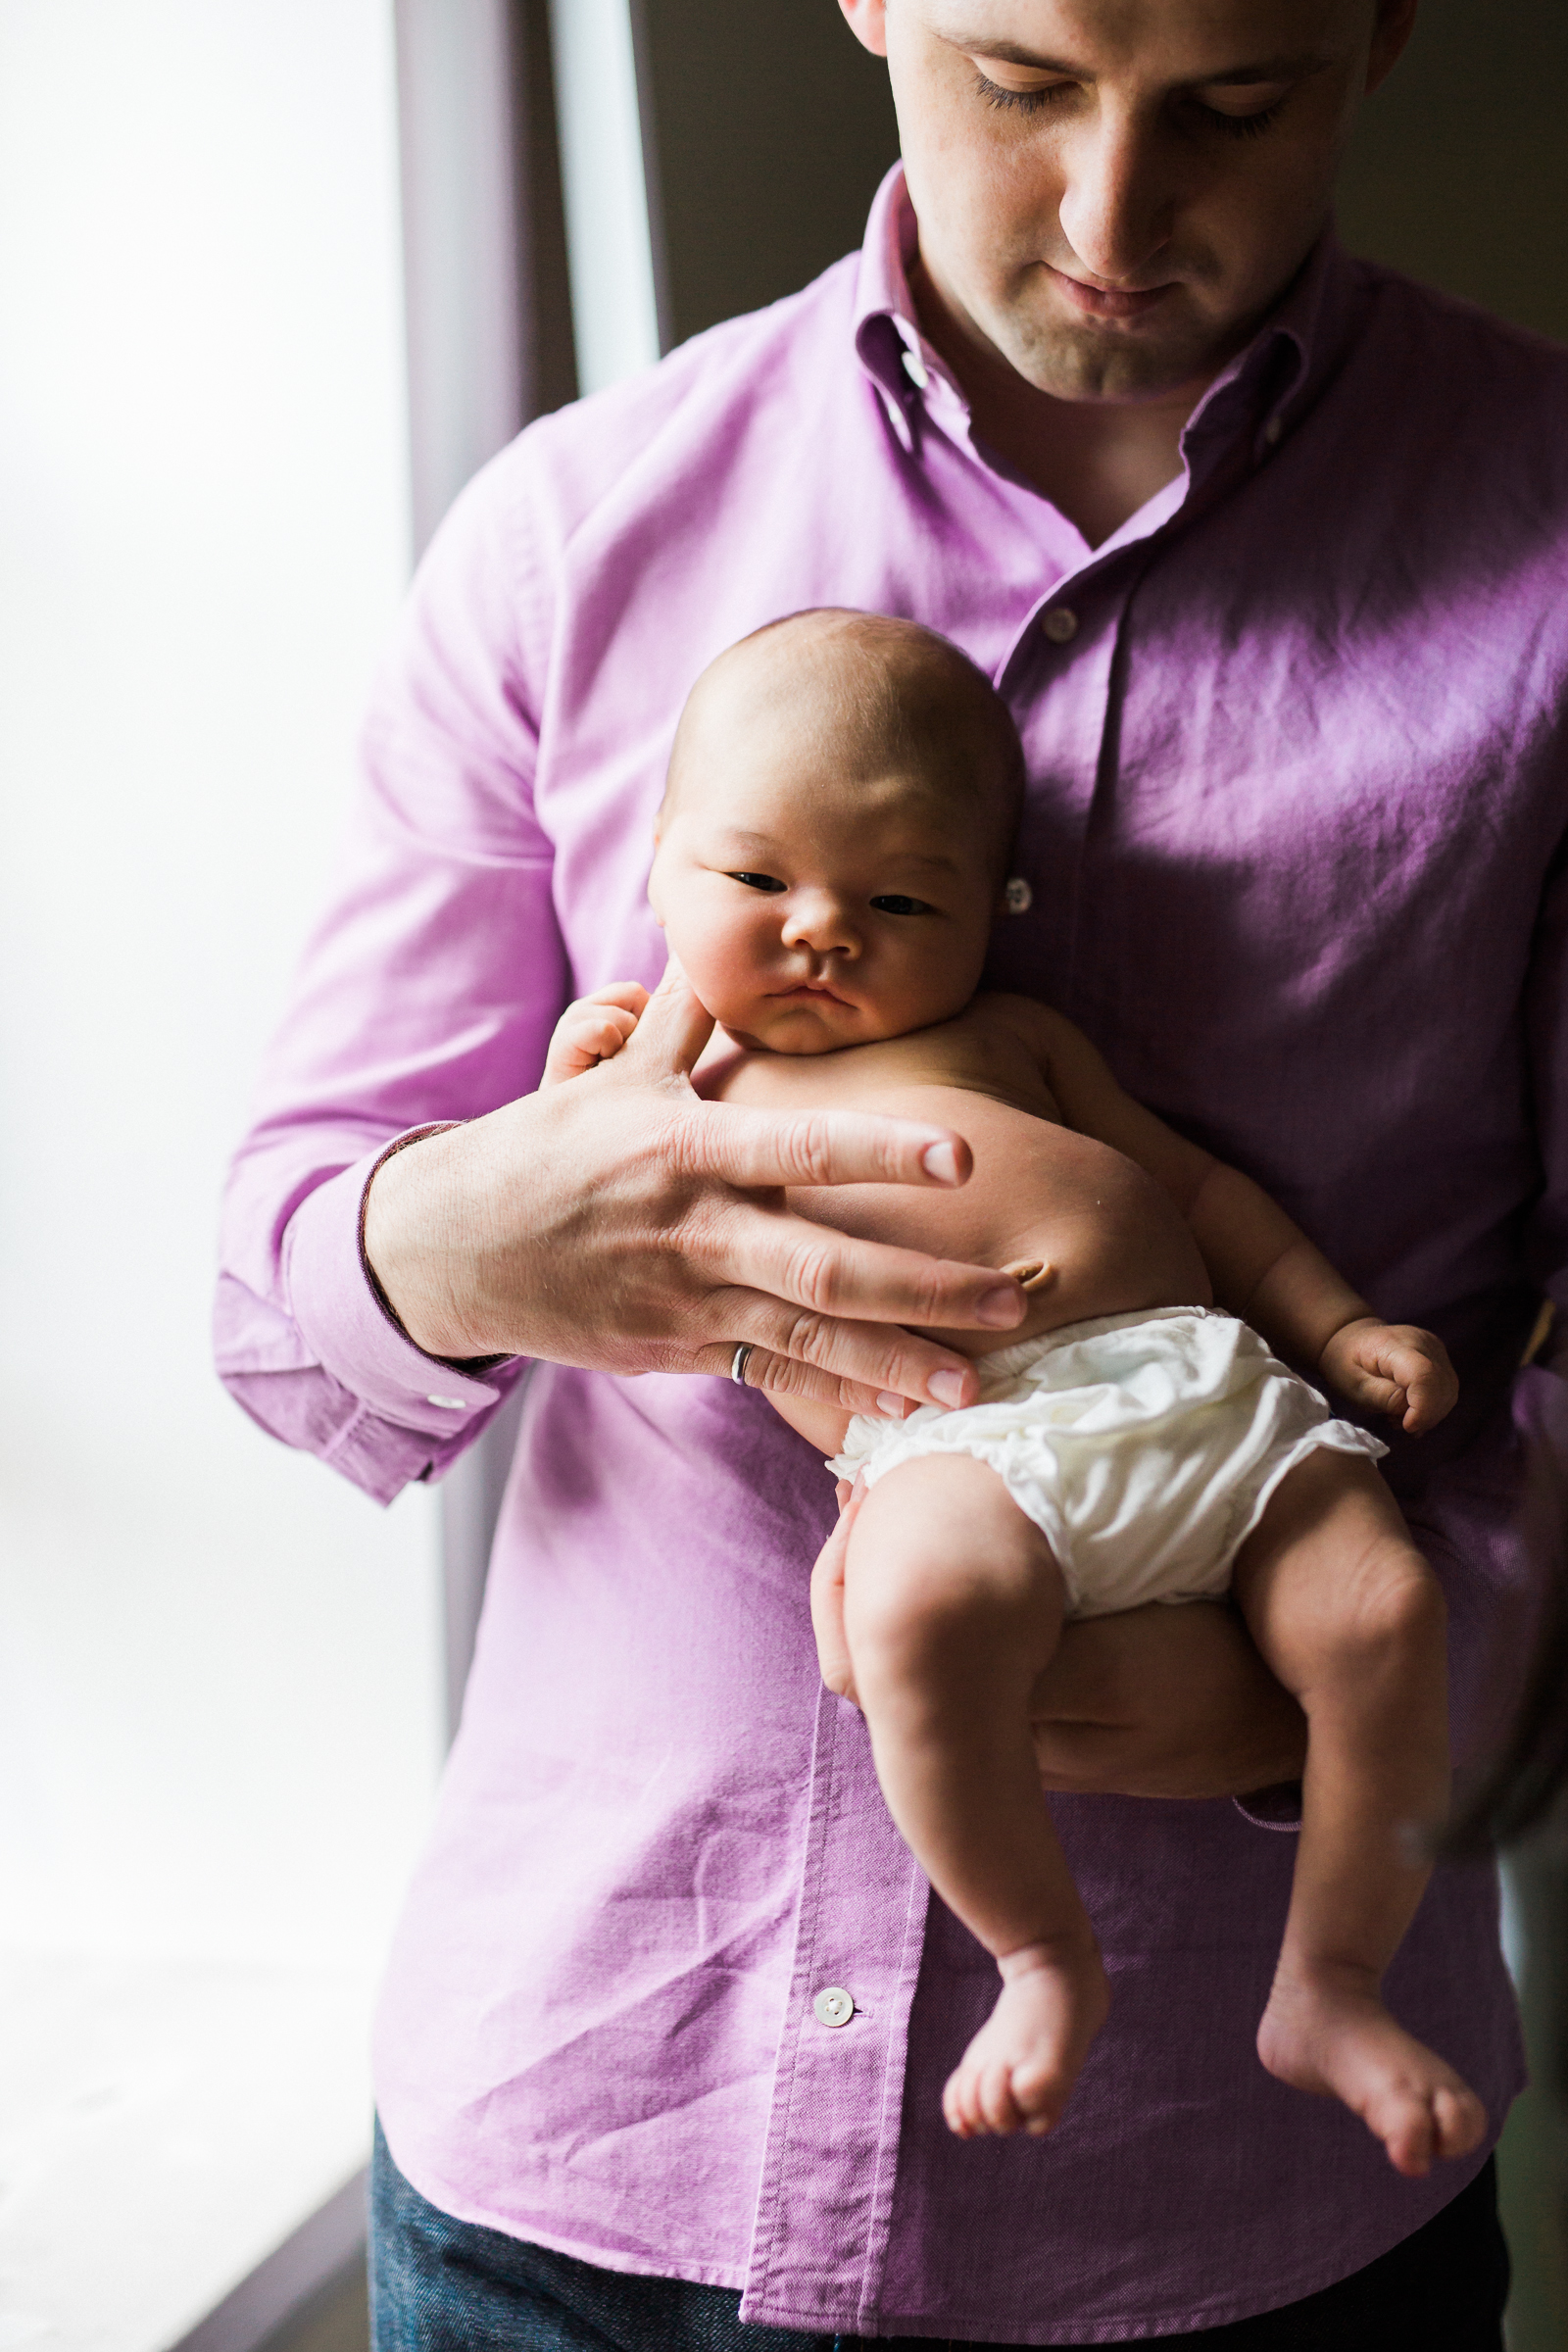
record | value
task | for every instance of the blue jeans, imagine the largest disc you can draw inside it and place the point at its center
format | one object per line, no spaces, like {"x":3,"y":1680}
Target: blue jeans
{"x":441,"y":2285}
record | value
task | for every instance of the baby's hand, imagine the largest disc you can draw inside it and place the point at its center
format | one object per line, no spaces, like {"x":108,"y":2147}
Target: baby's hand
{"x":593,"y":1030}
{"x":1393,"y":1368}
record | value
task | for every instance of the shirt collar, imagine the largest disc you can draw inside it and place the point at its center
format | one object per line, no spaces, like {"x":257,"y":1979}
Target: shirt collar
{"x":1260,"y":392}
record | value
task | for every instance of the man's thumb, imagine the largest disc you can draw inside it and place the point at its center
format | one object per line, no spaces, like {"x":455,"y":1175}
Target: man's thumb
{"x":673,"y":1029}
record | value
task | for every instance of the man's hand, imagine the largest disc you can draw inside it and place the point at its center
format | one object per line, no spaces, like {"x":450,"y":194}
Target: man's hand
{"x":1393,"y":1368}
{"x":1163,"y":1701}
{"x":1160,"y":1702}
{"x":621,"y":1223}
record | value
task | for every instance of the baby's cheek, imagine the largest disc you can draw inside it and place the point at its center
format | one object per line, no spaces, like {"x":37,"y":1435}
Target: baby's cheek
{"x":723,"y":970}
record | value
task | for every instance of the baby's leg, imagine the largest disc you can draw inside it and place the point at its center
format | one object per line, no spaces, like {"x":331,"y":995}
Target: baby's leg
{"x":1351,"y":1618}
{"x":952,"y":1604}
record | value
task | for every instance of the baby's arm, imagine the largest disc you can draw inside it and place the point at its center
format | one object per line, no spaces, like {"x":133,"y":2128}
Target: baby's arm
{"x":1262,"y":1266}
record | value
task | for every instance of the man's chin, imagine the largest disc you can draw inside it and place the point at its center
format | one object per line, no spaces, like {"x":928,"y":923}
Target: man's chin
{"x":1086,"y":359}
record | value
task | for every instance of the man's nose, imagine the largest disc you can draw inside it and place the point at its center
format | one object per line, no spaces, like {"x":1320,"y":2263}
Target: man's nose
{"x":1119,"y":200}
{"x":821,"y":921}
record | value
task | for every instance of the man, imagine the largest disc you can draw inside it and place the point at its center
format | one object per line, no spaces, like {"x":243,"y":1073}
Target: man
{"x":1266,"y":550}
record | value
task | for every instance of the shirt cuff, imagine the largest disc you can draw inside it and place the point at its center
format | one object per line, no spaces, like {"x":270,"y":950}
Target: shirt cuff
{"x":337,"y":1302}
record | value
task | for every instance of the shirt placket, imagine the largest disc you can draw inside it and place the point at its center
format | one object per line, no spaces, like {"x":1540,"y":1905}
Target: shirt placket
{"x":824,"y":2205}
{"x":819,"y":2241}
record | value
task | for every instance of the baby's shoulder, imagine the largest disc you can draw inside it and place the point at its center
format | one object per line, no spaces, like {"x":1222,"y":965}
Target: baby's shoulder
{"x":1023,"y":1021}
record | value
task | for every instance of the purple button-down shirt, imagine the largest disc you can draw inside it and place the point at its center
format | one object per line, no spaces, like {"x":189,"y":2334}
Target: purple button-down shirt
{"x":1298,"y":783}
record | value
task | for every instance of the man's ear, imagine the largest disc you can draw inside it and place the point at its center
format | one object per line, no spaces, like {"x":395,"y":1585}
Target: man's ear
{"x":1396,"y":22}
{"x":867,"y":19}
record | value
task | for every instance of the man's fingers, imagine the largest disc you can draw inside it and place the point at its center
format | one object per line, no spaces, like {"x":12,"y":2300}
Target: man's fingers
{"x":672,"y":1029}
{"x":788,"y":1376}
{"x":759,"y":1150}
{"x":834,"y":1275}
{"x":856,"y":1363}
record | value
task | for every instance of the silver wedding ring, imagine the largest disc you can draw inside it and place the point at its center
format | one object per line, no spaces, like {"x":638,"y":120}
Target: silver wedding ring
{"x":737,"y":1364}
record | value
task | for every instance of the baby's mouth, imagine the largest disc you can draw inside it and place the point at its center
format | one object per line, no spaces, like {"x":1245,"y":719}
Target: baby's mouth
{"x":806,"y":990}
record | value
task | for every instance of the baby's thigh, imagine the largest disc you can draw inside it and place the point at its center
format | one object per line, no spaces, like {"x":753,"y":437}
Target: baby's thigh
{"x":940,"y":1559}
{"x":1330,"y":1579}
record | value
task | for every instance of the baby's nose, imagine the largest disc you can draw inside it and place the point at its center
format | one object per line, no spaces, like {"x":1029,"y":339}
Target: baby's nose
{"x":819,"y":919}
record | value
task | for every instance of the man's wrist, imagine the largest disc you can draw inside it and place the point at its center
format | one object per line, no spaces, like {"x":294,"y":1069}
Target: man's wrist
{"x":400,"y":1211}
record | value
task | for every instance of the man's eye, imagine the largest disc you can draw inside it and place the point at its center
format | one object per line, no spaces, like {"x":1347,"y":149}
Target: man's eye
{"x":1026,"y":101}
{"x":891,"y":904}
{"x":759,"y":881}
{"x":1240,"y":126}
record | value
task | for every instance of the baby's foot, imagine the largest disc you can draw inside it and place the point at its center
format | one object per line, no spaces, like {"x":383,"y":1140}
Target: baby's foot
{"x":1017,"y":2072}
{"x":1327,"y":2035}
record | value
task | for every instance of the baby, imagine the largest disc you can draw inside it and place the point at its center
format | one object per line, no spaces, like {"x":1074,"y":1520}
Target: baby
{"x":832,"y":849}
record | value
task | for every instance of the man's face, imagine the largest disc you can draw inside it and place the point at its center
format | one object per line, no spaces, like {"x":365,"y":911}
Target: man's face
{"x":1112,"y":193}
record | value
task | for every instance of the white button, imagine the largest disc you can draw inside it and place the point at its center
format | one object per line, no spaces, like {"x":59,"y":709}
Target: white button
{"x":1018,"y":898}
{"x":914,"y":367}
{"x":1060,"y":624}
{"x":833,"y":2006}
{"x":1273,"y":429}
{"x":451,"y":1404}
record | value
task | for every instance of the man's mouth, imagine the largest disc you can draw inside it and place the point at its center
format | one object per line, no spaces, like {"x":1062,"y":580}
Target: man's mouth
{"x":1103,"y":302}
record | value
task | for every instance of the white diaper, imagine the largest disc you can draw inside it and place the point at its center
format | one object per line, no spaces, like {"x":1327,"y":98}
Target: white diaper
{"x":1144,"y":1447}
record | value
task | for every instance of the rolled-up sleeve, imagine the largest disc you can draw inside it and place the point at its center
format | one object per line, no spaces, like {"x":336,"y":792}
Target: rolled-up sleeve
{"x":426,"y":995}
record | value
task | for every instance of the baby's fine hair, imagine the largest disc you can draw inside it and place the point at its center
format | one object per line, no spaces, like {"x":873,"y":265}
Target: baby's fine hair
{"x":883,"y":687}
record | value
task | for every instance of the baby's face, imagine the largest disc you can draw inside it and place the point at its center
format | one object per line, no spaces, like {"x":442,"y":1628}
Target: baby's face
{"x":812,"y":910}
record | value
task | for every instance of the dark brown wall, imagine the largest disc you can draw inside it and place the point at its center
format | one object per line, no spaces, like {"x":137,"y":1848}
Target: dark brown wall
{"x":1460,"y":168}
{"x":769,"y":128}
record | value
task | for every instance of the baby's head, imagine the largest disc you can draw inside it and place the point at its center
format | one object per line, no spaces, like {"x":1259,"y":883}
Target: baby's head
{"x":842,"y":795}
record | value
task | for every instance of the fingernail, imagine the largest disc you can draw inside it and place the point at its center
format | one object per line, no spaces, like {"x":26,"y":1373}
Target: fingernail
{"x":941,"y":1160}
{"x":999,"y":1309}
{"x":946,"y":1386}
{"x":891,"y":1407}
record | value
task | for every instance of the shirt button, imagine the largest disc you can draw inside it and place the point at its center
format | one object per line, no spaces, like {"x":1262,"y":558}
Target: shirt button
{"x":1273,"y":429}
{"x":451,"y":1404}
{"x":833,"y":2006}
{"x":1060,"y":624}
{"x":914,"y":367}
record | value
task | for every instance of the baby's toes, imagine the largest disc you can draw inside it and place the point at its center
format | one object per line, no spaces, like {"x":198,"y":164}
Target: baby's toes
{"x":960,"y":2106}
{"x":1459,"y":2120}
{"x":997,"y":2107}
{"x":1410,"y":2138}
{"x":1034,"y":2089}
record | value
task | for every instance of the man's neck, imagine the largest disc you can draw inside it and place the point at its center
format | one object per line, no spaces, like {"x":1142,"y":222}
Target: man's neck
{"x":1097,"y":461}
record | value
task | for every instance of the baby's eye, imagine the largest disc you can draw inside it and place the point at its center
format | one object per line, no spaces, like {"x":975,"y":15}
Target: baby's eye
{"x":891,"y":902}
{"x":759,"y":881}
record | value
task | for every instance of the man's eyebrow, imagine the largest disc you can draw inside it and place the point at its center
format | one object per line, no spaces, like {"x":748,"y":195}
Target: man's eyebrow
{"x":1263,"y":68}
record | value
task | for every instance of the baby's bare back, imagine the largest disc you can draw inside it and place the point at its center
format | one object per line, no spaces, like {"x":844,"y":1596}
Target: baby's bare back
{"x":1113,"y":1238}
